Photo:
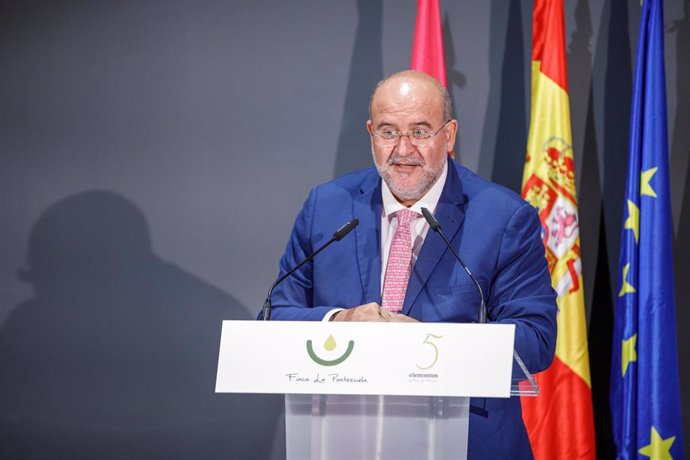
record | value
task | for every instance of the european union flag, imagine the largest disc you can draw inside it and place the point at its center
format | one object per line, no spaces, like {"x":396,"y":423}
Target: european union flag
{"x":645,"y":398}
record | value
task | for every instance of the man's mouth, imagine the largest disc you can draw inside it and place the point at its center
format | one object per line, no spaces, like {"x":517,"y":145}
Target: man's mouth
{"x":404,"y":167}
{"x":405,"y":162}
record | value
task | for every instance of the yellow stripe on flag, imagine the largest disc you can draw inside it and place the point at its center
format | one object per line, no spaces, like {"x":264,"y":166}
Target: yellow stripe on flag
{"x":550,"y":158}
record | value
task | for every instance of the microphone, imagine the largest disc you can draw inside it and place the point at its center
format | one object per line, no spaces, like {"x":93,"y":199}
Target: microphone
{"x":342,"y":231}
{"x":435,"y":226}
{"x":337,"y":236}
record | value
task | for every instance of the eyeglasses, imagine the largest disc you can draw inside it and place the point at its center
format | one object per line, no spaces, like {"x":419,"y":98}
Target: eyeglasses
{"x":419,"y":137}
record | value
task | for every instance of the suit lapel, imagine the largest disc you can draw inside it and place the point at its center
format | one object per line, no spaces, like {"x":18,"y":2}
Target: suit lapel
{"x":367,"y":208}
{"x":450,"y":214}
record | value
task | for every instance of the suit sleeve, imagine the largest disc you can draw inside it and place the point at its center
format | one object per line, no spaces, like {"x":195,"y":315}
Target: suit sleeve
{"x":521,"y":291}
{"x":293,"y":298}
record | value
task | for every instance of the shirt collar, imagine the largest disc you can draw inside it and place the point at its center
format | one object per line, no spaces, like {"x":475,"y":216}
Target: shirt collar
{"x":429,"y":200}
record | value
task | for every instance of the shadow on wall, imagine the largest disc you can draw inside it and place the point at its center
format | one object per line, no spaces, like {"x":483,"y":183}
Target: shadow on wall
{"x":680,"y":172}
{"x":513,"y":126}
{"x":366,"y":69}
{"x":115,"y":355}
{"x":504,"y":139}
{"x":613,"y":57}
{"x":455,"y":78}
{"x":595,"y":261}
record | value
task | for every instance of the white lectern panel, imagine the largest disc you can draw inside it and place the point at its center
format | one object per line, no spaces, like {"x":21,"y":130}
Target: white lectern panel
{"x":420,"y":359}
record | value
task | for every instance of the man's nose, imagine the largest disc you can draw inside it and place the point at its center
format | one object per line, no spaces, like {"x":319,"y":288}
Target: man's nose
{"x":404,"y":146}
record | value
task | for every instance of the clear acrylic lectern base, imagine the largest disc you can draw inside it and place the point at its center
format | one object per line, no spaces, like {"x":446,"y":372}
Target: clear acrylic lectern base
{"x":330,"y":427}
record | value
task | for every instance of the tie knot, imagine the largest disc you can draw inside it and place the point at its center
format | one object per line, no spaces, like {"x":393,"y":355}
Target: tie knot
{"x":405,"y":216}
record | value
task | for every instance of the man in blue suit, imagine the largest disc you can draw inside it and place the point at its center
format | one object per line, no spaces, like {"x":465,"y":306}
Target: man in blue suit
{"x":495,"y":232}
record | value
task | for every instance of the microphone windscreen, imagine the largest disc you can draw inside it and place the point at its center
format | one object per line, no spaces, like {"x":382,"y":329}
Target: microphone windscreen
{"x":345,"y":229}
{"x":433,"y":223}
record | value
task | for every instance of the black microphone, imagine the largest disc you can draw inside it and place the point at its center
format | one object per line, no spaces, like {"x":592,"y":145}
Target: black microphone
{"x":337,"y":236}
{"x":435,"y":226}
{"x":342,"y":231}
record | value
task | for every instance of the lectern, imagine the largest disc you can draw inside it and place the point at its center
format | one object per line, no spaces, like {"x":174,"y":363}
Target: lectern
{"x":372,"y":390}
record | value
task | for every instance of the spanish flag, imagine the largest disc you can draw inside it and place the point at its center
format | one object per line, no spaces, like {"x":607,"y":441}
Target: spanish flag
{"x":559,"y":421}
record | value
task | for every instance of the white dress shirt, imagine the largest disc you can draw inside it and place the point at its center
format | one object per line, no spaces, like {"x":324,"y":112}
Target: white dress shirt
{"x":418,"y":228}
{"x":389,"y":223}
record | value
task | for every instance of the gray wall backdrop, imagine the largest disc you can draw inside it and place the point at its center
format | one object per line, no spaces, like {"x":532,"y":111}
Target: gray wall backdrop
{"x":153,"y":155}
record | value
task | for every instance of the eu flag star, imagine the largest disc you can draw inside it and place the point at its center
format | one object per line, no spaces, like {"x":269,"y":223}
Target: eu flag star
{"x":633,"y":220}
{"x":658,"y":448}
{"x":628,"y":352}
{"x":645,"y":186}
{"x":626,"y":288}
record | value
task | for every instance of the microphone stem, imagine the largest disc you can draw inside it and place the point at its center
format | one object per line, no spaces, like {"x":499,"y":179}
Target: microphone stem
{"x":266,"y":310}
{"x":482,"y":306}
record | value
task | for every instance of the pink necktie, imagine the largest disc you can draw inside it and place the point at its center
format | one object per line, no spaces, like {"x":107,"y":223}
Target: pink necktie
{"x":399,"y":263}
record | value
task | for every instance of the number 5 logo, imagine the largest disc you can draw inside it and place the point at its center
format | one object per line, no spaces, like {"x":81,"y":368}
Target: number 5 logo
{"x":427,"y":341}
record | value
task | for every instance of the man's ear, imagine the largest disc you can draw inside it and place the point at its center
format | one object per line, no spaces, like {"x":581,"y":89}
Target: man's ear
{"x":369,"y":126}
{"x":451,"y":133}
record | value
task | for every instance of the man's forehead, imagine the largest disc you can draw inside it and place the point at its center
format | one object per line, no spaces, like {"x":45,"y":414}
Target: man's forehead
{"x":413,"y":109}
{"x":406,"y":87}
{"x":407,"y":94}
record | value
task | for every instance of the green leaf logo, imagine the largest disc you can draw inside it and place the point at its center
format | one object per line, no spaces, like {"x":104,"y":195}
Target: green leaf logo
{"x":329,"y":345}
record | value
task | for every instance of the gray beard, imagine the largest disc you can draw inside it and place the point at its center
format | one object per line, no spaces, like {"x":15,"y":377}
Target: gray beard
{"x":425,"y":183}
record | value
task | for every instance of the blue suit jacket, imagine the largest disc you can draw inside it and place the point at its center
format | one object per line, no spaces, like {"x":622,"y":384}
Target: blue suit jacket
{"x":496,"y":233}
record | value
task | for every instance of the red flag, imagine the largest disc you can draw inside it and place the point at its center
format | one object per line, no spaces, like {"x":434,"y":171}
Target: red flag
{"x":427,"y":49}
